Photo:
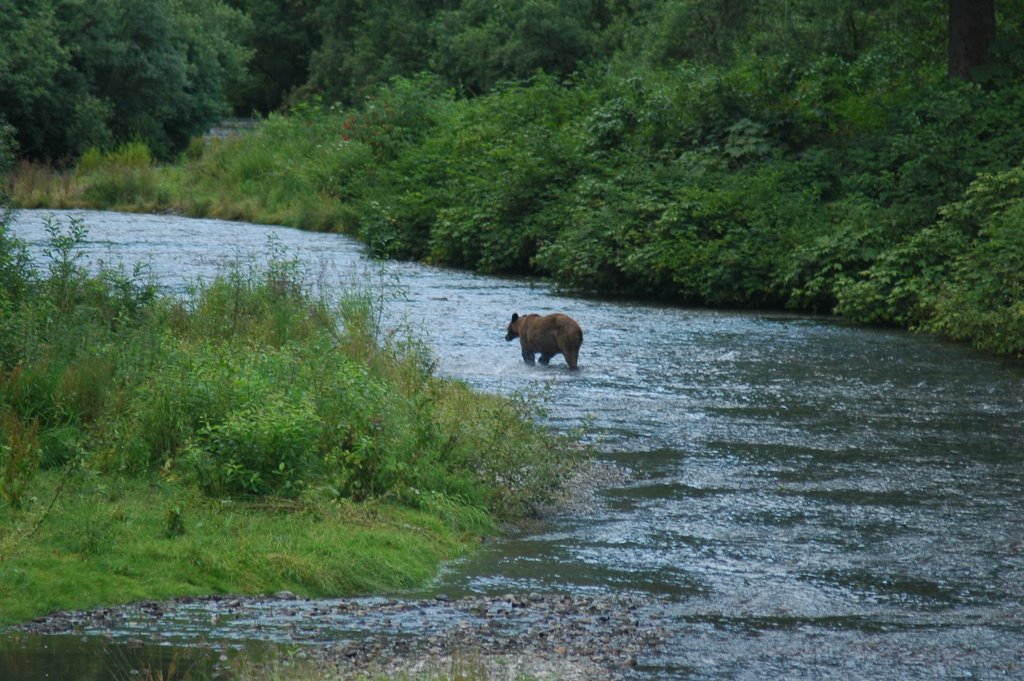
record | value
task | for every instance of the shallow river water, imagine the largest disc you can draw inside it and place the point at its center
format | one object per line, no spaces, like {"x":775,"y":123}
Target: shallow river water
{"x":802,"y":499}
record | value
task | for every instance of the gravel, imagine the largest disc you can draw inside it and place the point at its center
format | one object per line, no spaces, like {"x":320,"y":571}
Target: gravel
{"x":537,"y":635}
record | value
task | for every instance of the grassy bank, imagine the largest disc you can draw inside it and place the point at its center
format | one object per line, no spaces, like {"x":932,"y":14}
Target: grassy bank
{"x":248,"y":437}
{"x":112,"y":539}
{"x":271,"y":177}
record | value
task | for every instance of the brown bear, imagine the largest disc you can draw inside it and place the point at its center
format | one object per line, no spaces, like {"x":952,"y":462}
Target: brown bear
{"x":548,"y":335}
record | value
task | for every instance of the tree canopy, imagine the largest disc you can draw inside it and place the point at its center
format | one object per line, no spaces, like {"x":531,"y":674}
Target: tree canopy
{"x":82,"y":73}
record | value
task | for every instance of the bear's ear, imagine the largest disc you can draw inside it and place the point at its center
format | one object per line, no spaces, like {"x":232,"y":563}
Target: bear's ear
{"x":515,"y":316}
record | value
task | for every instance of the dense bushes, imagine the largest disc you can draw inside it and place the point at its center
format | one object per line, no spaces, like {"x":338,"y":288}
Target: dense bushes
{"x":707,"y":186}
{"x":978,"y":294}
{"x":627,"y":185}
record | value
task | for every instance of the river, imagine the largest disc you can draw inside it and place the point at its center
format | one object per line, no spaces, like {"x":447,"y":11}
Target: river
{"x":801,"y":498}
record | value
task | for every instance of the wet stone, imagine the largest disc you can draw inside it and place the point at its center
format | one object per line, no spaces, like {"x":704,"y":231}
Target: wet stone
{"x":535,"y":635}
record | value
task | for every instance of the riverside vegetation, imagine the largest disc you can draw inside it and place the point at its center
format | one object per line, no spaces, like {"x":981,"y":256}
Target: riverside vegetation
{"x":720,"y":153}
{"x":249,"y":436}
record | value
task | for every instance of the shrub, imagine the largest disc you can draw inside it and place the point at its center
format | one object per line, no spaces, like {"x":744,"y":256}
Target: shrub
{"x":853,"y":236}
{"x":982,"y":297}
{"x":262,"y":448}
{"x":122,"y":177}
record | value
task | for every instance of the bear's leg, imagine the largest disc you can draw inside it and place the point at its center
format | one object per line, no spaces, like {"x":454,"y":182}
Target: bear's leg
{"x":544,"y":359}
{"x":571,"y":357}
{"x":528,"y":358}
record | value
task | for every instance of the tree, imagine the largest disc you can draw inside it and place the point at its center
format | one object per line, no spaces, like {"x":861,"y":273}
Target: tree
{"x":972,"y":30}
{"x":41,"y":96}
{"x":283,"y":38}
{"x":81,"y":73}
{"x":162,"y":67}
{"x":483,"y":42}
{"x":364,"y":43}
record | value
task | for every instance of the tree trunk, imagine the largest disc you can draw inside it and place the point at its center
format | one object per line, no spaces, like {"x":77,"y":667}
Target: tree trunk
{"x":972,"y":30}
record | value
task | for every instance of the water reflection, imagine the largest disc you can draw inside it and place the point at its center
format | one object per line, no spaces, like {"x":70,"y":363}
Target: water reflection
{"x":95,"y":658}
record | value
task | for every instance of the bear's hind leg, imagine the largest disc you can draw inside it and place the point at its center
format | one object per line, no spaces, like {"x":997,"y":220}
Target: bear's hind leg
{"x":544,"y":359}
{"x":571,"y":358}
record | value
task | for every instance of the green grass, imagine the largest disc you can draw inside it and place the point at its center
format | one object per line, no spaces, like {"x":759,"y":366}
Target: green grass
{"x":253,"y":178}
{"x":106,"y":541}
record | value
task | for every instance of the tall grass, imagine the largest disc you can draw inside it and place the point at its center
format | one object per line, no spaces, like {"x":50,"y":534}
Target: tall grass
{"x":37,"y":185}
{"x":278,"y":174}
{"x":124,"y":177}
{"x":275,"y":175}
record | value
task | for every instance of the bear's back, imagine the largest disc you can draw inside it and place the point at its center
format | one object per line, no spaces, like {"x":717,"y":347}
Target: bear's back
{"x":552,"y":333}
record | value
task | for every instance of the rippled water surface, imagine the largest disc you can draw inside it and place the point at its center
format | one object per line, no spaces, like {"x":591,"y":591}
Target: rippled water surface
{"x":806,"y":499}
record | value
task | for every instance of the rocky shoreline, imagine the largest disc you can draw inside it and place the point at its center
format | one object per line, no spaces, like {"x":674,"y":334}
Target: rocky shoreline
{"x":510,"y":636}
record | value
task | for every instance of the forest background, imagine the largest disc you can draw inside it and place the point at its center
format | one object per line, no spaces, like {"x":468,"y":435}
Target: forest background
{"x":855,"y":157}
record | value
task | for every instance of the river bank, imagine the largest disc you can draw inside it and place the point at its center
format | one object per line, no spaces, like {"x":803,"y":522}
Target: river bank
{"x":246,"y":435}
{"x":534,"y":635}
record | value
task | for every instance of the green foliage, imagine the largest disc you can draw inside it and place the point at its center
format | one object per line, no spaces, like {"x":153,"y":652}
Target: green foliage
{"x":16,"y":273}
{"x":251,"y":386}
{"x":479,"y":44}
{"x":175,"y":523}
{"x":684,"y":29}
{"x":365,"y":44}
{"x":470,"y":45}
{"x":123,"y":176}
{"x":722,"y":153}
{"x":51,"y":112}
{"x":7,"y":149}
{"x":510,"y":153}
{"x":854,"y":235}
{"x":807,"y":181}
{"x":274,"y":175}
{"x":82,"y":74}
{"x":282,"y":39}
{"x":257,"y":449}
{"x":981,"y":297}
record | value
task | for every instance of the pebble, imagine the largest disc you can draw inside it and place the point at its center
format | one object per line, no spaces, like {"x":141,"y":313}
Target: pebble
{"x":542,"y":636}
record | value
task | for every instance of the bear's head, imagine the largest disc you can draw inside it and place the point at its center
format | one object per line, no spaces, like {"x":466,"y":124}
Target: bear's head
{"x":513,"y":328}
